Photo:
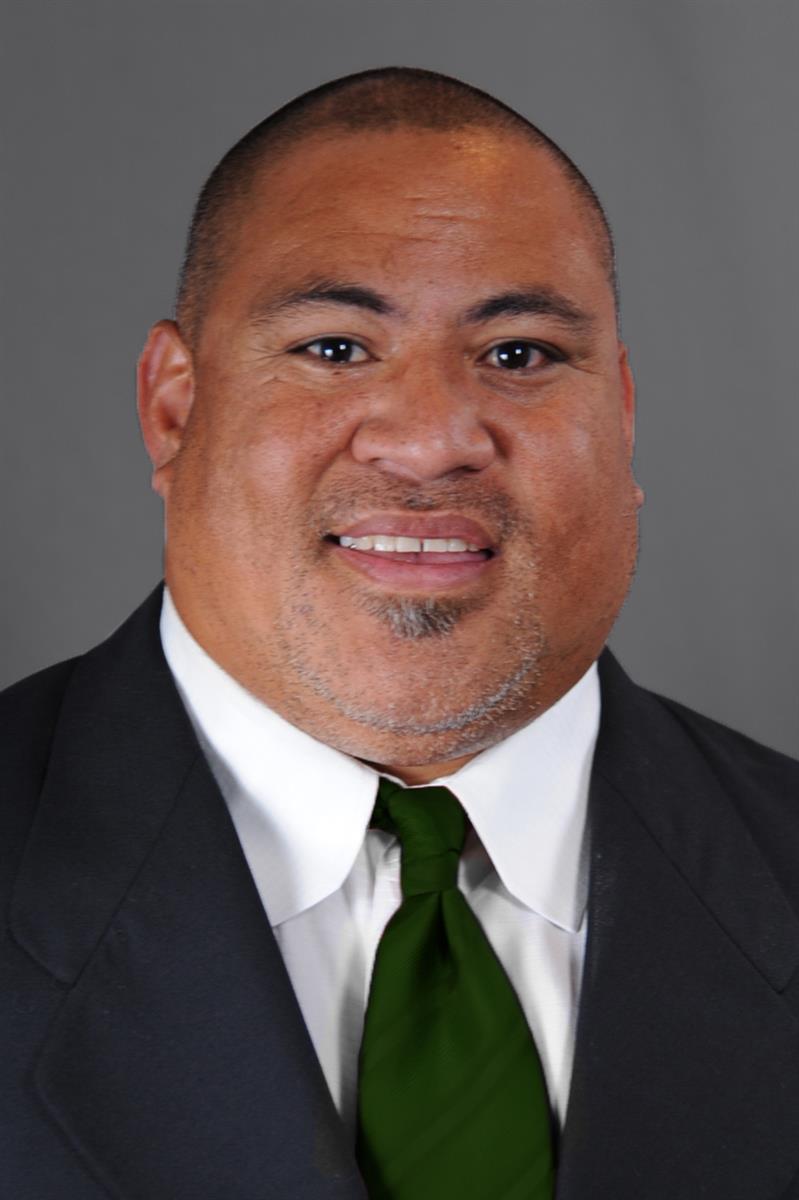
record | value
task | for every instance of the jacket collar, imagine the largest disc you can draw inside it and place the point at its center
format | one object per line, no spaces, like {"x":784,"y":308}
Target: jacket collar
{"x":122,"y":755}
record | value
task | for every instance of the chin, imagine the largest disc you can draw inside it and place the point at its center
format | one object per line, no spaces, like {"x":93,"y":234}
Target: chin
{"x":420,"y":720}
{"x":401,"y":751}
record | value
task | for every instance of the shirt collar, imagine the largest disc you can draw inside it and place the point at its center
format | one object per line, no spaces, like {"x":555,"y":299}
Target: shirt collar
{"x":527,"y":798}
{"x":308,"y":805}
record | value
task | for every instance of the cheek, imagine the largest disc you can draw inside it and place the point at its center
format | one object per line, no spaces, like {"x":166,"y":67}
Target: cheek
{"x":266,"y":449}
{"x":579,"y":482}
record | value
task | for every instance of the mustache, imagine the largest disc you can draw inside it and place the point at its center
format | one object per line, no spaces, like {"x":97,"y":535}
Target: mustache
{"x":350,"y":501}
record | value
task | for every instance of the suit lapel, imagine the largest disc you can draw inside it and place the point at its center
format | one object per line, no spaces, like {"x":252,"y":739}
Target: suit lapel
{"x":686,"y":1076}
{"x":179,"y":1064}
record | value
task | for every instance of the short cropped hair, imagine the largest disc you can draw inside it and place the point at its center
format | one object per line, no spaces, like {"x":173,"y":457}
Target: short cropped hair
{"x":384,"y":98}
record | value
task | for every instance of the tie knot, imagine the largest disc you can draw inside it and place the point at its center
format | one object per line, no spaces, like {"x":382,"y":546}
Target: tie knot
{"x":431,"y":826}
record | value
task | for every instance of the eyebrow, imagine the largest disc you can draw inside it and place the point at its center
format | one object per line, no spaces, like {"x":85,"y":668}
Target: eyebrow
{"x":523,"y":301}
{"x":533,"y":301}
{"x":323,"y":291}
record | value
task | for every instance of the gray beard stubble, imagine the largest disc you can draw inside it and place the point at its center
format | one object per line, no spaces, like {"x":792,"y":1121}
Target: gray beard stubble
{"x":418,"y":618}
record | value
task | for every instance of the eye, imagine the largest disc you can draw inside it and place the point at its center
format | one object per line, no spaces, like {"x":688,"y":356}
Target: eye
{"x":517,"y":354}
{"x":334,"y":350}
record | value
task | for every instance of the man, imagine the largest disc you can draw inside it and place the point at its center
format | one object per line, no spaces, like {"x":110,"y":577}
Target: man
{"x":392,"y":427}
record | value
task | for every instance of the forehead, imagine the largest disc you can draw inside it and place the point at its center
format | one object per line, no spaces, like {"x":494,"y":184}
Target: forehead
{"x":407,"y":206}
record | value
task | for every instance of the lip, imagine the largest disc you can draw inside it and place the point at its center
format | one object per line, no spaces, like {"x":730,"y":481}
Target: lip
{"x":390,"y":570}
{"x":438,"y":525}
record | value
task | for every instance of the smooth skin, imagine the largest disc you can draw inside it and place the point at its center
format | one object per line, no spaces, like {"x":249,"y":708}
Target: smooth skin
{"x":264,"y":439}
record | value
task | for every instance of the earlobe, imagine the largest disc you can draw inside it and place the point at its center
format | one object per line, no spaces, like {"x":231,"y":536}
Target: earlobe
{"x":165,"y":392}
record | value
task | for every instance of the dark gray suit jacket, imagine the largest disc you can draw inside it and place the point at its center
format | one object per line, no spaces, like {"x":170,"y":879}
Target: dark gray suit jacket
{"x":152,"y":1045}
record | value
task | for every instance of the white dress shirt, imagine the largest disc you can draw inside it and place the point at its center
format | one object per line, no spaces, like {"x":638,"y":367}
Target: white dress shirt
{"x":329,"y":884}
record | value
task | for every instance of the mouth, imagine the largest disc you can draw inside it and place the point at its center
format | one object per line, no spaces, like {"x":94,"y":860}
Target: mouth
{"x":427,"y":553}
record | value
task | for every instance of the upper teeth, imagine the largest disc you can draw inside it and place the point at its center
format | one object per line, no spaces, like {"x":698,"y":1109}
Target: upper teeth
{"x":384,"y":541}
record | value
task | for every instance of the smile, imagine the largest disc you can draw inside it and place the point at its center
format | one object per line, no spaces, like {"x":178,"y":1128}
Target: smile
{"x":419,"y":563}
{"x":385,"y":543}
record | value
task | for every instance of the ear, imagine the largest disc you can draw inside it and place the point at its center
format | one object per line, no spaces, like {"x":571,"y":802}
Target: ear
{"x":165,"y":392}
{"x":628,"y":409}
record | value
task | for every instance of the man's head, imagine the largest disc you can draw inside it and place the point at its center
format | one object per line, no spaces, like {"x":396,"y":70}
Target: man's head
{"x":397,"y":317}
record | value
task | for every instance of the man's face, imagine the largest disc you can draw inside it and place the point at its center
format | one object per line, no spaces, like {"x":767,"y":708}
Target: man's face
{"x":449,"y":370}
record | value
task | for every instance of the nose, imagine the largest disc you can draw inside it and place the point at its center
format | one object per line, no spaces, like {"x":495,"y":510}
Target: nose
{"x":423,"y":427}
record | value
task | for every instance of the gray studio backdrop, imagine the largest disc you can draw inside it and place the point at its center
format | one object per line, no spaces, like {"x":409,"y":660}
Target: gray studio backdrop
{"x":682,"y":114}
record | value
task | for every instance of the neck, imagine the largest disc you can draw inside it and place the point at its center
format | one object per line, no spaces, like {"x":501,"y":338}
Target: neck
{"x":422,"y":773}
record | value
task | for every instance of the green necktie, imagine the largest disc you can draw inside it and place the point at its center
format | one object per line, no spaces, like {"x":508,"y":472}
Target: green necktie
{"x":452,"y":1103}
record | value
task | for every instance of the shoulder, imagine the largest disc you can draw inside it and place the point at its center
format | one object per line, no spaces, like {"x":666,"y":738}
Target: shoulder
{"x":30,"y":709}
{"x":69,"y":718}
{"x":645,"y":724}
{"x":654,"y":746}
{"x":738,"y":759}
{"x":760,"y":783}
{"x":28,"y":716}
